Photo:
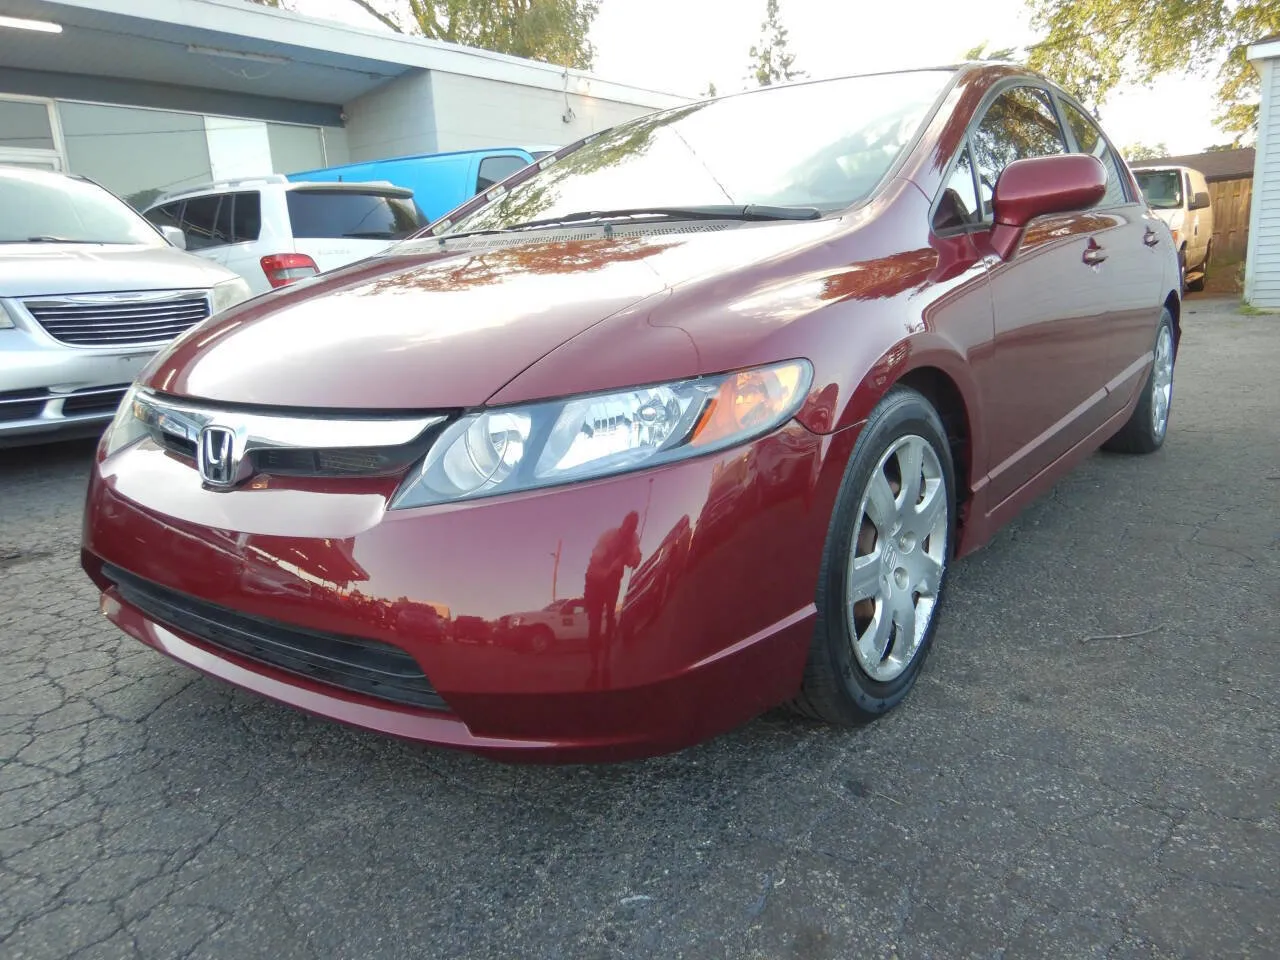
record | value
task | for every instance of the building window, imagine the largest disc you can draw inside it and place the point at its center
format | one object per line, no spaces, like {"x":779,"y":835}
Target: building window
{"x":138,"y":154}
{"x":295,"y":148}
{"x":24,"y":125}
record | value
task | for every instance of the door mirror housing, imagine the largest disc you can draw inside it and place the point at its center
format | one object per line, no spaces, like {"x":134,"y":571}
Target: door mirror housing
{"x":1200,"y":201}
{"x":175,"y":236}
{"x":1042,"y":185}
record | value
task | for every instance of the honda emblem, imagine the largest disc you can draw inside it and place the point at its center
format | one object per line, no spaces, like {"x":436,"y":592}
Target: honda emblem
{"x":216,"y":456}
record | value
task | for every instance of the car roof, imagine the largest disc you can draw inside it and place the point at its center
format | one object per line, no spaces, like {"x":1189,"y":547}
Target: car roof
{"x":381,"y":187}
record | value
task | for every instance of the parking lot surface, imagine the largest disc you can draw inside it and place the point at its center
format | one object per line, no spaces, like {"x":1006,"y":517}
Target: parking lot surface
{"x":1089,"y":766}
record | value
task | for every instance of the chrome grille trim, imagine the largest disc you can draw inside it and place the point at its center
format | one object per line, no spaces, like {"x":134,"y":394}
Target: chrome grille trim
{"x":111,"y":319}
{"x":178,"y":426}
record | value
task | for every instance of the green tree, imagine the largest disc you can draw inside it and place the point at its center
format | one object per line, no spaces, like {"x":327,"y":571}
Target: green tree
{"x":553,"y":31}
{"x":980,"y":52}
{"x":1141,"y":151}
{"x":1092,"y":46}
{"x":770,"y":61}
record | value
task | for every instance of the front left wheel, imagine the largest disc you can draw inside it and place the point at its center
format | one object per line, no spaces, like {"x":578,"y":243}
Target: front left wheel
{"x":884,"y":567}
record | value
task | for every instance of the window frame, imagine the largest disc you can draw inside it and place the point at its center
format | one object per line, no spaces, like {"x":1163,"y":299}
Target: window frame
{"x":979,"y":114}
{"x":965,"y":146}
{"x":1060,"y":97}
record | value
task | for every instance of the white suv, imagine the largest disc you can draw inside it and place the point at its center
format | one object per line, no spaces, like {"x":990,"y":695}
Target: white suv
{"x":273,"y":232}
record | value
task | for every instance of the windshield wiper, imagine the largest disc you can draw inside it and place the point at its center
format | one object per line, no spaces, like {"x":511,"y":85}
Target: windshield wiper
{"x":710,"y":211}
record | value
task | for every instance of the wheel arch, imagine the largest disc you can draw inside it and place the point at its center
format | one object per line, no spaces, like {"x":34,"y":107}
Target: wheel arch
{"x":1173,"y":304}
{"x":946,"y":397}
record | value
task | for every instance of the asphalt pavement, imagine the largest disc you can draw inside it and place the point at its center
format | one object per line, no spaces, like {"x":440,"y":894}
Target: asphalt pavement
{"x":1088,"y":767}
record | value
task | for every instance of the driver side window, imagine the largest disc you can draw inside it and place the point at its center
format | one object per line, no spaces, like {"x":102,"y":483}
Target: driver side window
{"x":1019,"y":124}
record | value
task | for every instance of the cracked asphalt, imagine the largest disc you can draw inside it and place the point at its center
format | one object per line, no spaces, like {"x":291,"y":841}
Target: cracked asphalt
{"x":1046,"y":792}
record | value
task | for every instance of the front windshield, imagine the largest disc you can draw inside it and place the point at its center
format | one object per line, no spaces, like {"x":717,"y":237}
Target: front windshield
{"x":1162,"y":188}
{"x":823,"y":145}
{"x":44,"y":208}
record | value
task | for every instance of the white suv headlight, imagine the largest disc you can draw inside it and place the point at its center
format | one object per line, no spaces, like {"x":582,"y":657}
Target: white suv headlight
{"x":508,"y":449}
{"x":228,"y":293}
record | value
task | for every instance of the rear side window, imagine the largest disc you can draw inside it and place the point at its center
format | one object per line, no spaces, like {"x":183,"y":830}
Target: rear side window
{"x":1019,"y":124}
{"x":200,"y":222}
{"x":317,"y":214}
{"x":246,"y":217}
{"x":1089,"y":140}
{"x":496,"y":169}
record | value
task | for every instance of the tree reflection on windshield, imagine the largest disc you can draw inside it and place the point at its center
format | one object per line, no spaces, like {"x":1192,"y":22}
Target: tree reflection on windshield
{"x":824,"y":145}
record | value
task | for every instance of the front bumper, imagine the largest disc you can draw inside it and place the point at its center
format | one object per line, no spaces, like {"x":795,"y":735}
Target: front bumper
{"x":535,"y":655}
{"x":50,"y":390}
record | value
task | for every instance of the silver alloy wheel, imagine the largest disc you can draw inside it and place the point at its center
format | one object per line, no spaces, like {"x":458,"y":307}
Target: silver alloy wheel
{"x":899,"y":555}
{"x":1162,"y":382}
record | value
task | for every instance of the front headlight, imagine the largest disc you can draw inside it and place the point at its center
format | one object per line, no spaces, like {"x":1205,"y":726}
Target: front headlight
{"x":228,"y":293}
{"x":580,"y":438}
{"x":127,"y":427}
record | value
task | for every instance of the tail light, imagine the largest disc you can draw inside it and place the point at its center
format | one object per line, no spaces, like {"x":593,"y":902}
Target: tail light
{"x":283,"y":269}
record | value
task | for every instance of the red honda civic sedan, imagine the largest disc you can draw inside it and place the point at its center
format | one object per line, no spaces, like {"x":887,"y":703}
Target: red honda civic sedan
{"x":685,"y":421}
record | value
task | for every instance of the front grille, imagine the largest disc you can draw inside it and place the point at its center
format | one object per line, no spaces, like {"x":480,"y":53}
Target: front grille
{"x":349,"y":663}
{"x":107,"y":320}
{"x":103,"y":400}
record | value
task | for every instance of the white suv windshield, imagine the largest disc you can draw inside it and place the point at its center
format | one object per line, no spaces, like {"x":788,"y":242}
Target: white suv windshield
{"x":40,"y":208}
{"x":824,"y":145}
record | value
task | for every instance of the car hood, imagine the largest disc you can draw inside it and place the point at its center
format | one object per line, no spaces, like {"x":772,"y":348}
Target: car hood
{"x":46,"y":269}
{"x":420,"y":328}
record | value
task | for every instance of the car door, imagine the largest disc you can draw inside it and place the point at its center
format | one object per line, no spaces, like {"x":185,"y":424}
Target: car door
{"x":1044,"y":390}
{"x":1128,"y":237}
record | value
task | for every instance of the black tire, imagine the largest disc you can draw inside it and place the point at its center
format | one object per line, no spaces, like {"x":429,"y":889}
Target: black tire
{"x":836,"y":688}
{"x":1139,"y":434}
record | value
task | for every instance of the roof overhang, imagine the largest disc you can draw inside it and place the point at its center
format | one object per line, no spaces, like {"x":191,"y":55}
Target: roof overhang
{"x":1265,"y":50}
{"x":239,"y":47}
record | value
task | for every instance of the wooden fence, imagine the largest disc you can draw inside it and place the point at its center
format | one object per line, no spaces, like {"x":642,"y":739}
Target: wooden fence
{"x":1230,"y":218}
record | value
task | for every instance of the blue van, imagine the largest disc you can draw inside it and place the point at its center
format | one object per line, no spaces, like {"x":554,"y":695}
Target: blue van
{"x":439,"y":181}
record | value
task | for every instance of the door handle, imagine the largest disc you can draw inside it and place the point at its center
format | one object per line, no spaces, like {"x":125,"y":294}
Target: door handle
{"x":1150,"y":238}
{"x":1094,"y":254}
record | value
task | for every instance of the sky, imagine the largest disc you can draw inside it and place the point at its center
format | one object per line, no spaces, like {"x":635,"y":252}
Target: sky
{"x":679,"y":46}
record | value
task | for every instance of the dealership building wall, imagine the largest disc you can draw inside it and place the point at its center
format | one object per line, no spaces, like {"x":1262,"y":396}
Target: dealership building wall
{"x":147,"y":96}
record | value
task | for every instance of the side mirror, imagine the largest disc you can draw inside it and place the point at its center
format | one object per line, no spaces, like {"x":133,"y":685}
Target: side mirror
{"x":175,"y":236}
{"x":1200,"y":201}
{"x":1042,"y":185}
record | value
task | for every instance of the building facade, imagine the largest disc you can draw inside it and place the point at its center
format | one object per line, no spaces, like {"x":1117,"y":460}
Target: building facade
{"x":1262,"y":268}
{"x":148,"y":96}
